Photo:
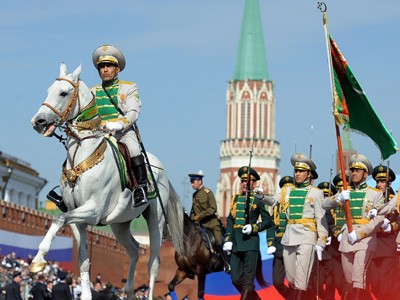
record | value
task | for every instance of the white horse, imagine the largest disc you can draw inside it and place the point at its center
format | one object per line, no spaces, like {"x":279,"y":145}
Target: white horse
{"x":91,"y":184}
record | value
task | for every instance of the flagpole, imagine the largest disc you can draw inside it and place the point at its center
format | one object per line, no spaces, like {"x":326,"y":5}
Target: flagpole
{"x":322,"y":7}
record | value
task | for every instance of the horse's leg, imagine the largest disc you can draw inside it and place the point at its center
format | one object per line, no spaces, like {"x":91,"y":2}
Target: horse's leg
{"x":79,"y":231}
{"x":155,"y":226}
{"x":124,"y":237}
{"x":201,"y":281}
{"x":88,"y":213}
{"x":178,"y":278}
{"x":38,"y":263}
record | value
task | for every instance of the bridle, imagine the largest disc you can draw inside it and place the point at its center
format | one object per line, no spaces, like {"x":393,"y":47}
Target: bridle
{"x":71,"y":104}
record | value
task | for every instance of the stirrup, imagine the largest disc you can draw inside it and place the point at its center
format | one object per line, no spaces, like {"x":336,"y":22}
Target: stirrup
{"x":227,"y":268}
{"x":137,"y":203}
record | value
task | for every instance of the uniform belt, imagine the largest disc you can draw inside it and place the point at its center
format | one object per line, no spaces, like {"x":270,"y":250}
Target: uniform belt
{"x":360,"y":221}
{"x":301,"y":221}
{"x":307,"y":222}
{"x":279,"y":234}
{"x":238,"y":226}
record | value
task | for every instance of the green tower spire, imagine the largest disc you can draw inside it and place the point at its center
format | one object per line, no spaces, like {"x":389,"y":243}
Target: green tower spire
{"x":251,"y":63}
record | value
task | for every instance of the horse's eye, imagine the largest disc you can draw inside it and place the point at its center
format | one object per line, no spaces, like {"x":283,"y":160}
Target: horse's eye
{"x":63,"y":94}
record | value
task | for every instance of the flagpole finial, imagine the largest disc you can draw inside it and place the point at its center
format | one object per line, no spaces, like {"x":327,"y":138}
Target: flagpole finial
{"x":322,"y":6}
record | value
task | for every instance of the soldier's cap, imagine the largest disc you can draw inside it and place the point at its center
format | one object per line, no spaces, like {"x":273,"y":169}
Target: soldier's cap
{"x":196,"y":176}
{"x":108,"y":54}
{"x":338,"y":180}
{"x":359,"y":161}
{"x":302,"y":162}
{"x":324,"y":186}
{"x":143,"y":288}
{"x":314,"y":174}
{"x":285,"y":181}
{"x":243,"y":171}
{"x":16,"y":273}
{"x":380,"y":173}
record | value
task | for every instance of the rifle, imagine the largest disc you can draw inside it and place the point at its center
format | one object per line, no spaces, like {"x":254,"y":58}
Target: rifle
{"x":387,"y":188}
{"x":248,"y":187}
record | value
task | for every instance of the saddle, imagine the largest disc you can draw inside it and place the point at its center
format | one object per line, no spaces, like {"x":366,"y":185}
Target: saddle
{"x":207,"y":236}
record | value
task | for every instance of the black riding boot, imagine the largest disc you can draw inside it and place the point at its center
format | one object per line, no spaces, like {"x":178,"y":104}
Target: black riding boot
{"x":57,"y":200}
{"x":249,"y":295}
{"x":140,"y":172}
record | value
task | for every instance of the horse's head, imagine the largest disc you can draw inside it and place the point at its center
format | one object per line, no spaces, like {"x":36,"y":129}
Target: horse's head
{"x":60,"y":104}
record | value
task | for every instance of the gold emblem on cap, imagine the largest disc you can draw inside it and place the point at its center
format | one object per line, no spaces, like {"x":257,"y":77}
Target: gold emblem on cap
{"x":104,"y":48}
{"x":380,"y":168}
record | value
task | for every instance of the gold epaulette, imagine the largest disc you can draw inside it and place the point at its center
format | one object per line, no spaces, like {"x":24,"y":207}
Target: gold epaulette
{"x":206,"y":190}
{"x":374,"y":189}
{"x":126,"y":82}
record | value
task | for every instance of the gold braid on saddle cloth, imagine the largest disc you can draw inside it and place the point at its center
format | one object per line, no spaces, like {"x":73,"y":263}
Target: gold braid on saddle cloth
{"x":89,"y":118}
{"x":94,"y":158}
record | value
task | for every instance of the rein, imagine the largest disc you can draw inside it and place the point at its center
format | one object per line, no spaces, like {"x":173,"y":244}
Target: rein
{"x":71,"y":104}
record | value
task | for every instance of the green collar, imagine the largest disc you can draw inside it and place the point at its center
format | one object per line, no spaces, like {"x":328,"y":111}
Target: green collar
{"x":362,"y":186}
{"x":304,"y":184}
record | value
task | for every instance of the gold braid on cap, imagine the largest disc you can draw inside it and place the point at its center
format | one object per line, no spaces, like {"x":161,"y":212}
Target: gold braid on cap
{"x":302,"y":166}
{"x":358,"y":165}
{"x":94,"y":158}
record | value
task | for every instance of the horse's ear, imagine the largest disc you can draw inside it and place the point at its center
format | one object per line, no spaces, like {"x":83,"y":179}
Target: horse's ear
{"x":63,"y":69}
{"x":76,"y":73}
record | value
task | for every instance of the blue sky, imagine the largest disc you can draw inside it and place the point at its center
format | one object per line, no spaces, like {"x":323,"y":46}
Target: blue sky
{"x":181,"y":54}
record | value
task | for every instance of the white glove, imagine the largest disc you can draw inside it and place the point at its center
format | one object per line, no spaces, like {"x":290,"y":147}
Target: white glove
{"x":398,"y":247}
{"x":259,"y":192}
{"x":113,"y":126}
{"x":352,"y":237}
{"x":386,"y":226}
{"x":388,"y":229}
{"x":372,"y":213}
{"x":319,"y":250}
{"x":343,"y":196}
{"x":247,"y":229}
{"x":271,"y":250}
{"x":339,"y":237}
{"x":328,"y":240}
{"x":227,"y":246}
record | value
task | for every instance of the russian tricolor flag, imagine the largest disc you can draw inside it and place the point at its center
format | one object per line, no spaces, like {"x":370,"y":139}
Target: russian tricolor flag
{"x":219,"y":285}
{"x":23,"y":245}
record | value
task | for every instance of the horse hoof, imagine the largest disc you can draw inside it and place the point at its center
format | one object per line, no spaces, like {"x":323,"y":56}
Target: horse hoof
{"x":36,"y":267}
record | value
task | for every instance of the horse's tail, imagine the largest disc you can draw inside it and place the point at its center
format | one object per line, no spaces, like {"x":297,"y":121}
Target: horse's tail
{"x":175,"y":219}
{"x":259,"y":275}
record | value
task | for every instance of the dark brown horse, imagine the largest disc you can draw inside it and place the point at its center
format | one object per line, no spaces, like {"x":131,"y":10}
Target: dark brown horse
{"x":196,"y":258}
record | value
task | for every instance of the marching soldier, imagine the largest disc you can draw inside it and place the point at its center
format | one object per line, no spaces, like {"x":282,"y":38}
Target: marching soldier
{"x":333,"y":248}
{"x":204,"y":211}
{"x":358,"y":245}
{"x":274,"y":238}
{"x":242,"y":239}
{"x":322,"y":272}
{"x":384,"y":266}
{"x":306,"y":229}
